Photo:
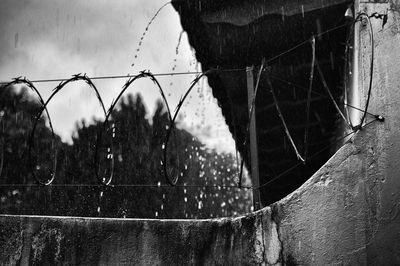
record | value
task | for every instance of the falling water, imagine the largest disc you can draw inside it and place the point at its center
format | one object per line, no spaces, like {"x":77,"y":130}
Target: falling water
{"x":179,"y":42}
{"x":146,"y":29}
{"x":176,"y":55}
{"x":100,"y":199}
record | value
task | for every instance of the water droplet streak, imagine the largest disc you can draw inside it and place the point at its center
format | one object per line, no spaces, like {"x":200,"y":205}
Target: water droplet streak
{"x":146,"y":29}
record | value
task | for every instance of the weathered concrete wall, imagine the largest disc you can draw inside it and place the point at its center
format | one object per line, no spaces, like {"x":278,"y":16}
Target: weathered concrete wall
{"x":89,"y":241}
{"x":348,"y":213}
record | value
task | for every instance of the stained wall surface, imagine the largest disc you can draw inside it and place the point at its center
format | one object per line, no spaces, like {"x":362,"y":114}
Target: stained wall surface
{"x":89,"y":241}
{"x":348,"y":213}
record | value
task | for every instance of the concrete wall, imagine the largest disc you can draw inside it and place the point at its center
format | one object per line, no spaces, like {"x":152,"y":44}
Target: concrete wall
{"x":90,"y":241}
{"x":348,"y":213}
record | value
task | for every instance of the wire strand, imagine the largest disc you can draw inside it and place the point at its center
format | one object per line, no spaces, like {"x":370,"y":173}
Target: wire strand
{"x":304,"y":42}
{"x":132,"y":76}
{"x":201,"y":74}
{"x":127,"y":185}
{"x":309,"y":97}
{"x":325,"y":85}
{"x":283,"y":120}
{"x":371,"y":72}
{"x":282,"y":174}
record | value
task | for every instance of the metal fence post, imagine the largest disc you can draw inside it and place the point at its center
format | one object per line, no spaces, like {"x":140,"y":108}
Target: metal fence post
{"x":253,"y":140}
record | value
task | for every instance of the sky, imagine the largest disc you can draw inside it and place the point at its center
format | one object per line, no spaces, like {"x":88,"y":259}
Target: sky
{"x":46,"y":39}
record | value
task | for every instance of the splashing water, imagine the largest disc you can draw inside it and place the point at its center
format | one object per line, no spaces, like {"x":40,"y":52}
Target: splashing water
{"x":176,"y":53}
{"x":99,"y":204}
{"x":179,"y":42}
{"x":146,"y":29}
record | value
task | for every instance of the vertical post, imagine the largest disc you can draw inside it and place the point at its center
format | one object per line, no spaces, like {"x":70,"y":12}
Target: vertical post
{"x":253,"y":139}
{"x":357,"y":84}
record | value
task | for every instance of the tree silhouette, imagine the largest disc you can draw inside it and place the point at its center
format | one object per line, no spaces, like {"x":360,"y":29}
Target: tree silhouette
{"x":17,"y":115}
{"x":138,"y":188}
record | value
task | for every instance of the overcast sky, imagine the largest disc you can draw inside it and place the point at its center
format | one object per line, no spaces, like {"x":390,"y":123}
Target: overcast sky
{"x":43,"y":39}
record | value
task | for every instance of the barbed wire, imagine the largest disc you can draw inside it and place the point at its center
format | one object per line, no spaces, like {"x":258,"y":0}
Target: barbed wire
{"x":30,"y":85}
{"x":172,"y":181}
{"x":128,"y":83}
{"x":282,"y":174}
{"x":190,"y":73}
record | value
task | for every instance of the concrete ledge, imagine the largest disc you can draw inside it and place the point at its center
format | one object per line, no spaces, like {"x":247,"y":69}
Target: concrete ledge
{"x":81,"y":241}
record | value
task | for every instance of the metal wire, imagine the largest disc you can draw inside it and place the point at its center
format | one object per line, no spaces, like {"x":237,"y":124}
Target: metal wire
{"x":311,"y":79}
{"x":130,"y":185}
{"x":290,"y":169}
{"x":143,"y":74}
{"x":283,"y":120}
{"x":132,"y":78}
{"x":282,"y":174}
{"x":32,"y":167}
{"x":325,"y":85}
{"x":371,"y":70}
{"x":165,"y":147}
